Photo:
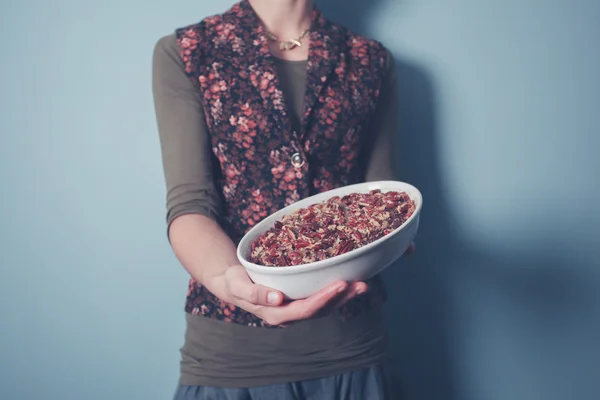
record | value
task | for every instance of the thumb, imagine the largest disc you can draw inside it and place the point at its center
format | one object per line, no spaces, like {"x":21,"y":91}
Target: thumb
{"x":241,"y":287}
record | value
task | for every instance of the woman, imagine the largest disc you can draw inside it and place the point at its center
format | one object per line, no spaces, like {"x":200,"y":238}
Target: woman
{"x":259,"y":107}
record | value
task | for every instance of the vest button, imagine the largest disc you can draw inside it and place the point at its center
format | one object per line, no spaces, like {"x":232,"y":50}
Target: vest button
{"x":297,"y":160}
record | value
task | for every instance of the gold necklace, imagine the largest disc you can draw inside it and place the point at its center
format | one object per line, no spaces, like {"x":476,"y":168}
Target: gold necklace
{"x":288,"y":44}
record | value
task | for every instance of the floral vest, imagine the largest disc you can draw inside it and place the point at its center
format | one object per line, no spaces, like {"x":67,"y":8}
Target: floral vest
{"x":262,"y":164}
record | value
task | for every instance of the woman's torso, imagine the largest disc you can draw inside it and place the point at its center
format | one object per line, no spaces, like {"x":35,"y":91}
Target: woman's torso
{"x":220,"y":350}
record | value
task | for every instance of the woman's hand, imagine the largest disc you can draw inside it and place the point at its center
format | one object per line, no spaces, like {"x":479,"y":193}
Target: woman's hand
{"x":235,"y":287}
{"x":269,"y":305}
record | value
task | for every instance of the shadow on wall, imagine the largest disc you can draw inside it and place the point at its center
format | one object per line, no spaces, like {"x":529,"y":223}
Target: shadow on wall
{"x":418,"y":294}
{"x":442,"y":297}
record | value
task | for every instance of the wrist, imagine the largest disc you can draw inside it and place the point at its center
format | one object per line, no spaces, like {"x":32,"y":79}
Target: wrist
{"x":217,"y":285}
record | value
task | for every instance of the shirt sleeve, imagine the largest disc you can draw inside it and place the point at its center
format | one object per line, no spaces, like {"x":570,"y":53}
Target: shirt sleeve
{"x":184,"y":137}
{"x":384,"y":127}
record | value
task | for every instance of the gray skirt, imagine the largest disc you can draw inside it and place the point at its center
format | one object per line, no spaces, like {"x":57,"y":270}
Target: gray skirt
{"x":365,"y":384}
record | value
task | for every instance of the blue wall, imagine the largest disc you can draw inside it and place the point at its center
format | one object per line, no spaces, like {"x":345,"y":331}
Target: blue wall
{"x":500,"y":114}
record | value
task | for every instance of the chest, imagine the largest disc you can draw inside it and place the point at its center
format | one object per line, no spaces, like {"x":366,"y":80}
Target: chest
{"x":257,"y":109}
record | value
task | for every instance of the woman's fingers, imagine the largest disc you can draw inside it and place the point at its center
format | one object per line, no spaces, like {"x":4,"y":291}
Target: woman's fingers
{"x":354,"y":290}
{"x":242,"y":288}
{"x":268,"y":303}
{"x":302,"y":309}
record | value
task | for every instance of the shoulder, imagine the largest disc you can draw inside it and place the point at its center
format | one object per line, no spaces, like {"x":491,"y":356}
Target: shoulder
{"x":367,"y":52}
{"x":167,"y":45}
{"x":390,"y":64}
{"x":199,"y":30}
{"x":355,"y":40}
{"x":361,"y":41}
{"x":196,"y":39}
{"x":177,"y":47}
{"x":167,"y":54}
{"x":361,"y":46}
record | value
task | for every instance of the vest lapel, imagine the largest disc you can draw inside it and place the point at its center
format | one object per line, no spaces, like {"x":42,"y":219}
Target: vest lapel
{"x":323,"y":54}
{"x":258,"y":64}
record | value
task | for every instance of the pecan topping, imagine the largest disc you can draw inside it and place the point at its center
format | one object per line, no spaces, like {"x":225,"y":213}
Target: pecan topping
{"x":331,"y":228}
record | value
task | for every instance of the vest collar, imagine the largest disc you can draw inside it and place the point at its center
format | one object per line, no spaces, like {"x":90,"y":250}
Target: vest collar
{"x":325,"y":48}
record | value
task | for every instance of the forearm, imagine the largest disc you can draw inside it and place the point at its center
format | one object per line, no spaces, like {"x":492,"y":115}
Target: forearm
{"x":204,"y":250}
